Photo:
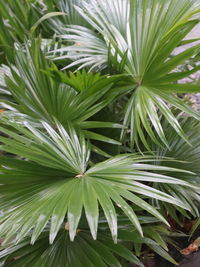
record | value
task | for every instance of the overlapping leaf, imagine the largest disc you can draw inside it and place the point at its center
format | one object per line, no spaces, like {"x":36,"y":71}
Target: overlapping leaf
{"x":187,"y":157}
{"x":153,"y":239}
{"x":82,"y":252}
{"x":107,"y":252}
{"x":66,"y":98}
{"x":142,"y":109}
{"x":58,"y":24}
{"x":16,"y":20}
{"x":55,"y":174}
{"x":141,"y":29}
{"x":139,"y":36}
{"x":51,"y":188}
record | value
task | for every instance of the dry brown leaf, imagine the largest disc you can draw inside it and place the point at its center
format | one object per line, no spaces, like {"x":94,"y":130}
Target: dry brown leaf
{"x":193,"y":247}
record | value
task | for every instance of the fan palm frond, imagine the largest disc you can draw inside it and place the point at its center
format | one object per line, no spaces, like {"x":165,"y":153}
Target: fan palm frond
{"x":56,"y":172}
{"x":84,"y":251}
{"x":66,"y":98}
{"x":99,"y":251}
{"x":141,"y":38}
{"x":72,"y":15}
{"x":16,"y":20}
{"x":186,"y":157}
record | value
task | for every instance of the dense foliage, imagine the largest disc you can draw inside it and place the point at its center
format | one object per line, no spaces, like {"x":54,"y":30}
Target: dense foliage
{"x":98,"y":147}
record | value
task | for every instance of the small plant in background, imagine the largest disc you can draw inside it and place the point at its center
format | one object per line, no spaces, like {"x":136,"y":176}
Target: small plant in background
{"x":99,"y":151}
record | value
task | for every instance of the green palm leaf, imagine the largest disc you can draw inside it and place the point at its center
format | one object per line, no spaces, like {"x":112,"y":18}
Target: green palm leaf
{"x":62,"y":203}
{"x":16,"y":20}
{"x":141,"y":38}
{"x":82,"y":252}
{"x":153,"y":239}
{"x":67,"y":98}
{"x":72,"y":16}
{"x":142,"y":28}
{"x":57,"y":175}
{"x":186,"y":157}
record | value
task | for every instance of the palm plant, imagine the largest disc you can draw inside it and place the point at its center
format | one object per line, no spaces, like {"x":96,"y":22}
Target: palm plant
{"x":58,"y":24}
{"x":16,"y":21}
{"x":74,"y":189}
{"x":137,"y":38}
{"x":187,"y":157}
